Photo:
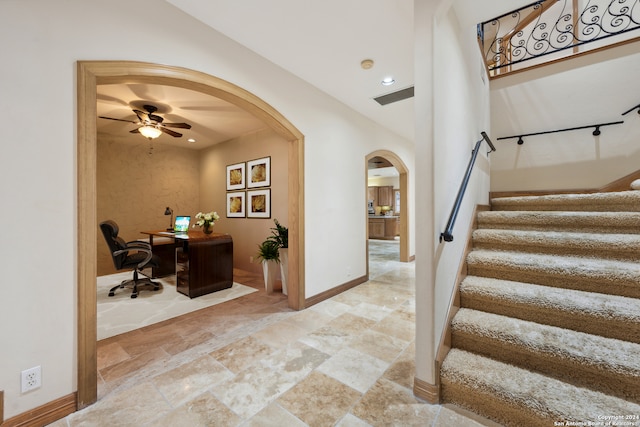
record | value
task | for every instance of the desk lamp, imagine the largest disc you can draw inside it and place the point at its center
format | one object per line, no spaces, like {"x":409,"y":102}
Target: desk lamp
{"x":169,"y":211}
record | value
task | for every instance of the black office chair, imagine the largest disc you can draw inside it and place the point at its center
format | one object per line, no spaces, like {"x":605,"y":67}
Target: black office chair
{"x":134,"y":255}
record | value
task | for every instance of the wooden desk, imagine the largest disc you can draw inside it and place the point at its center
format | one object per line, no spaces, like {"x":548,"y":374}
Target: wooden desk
{"x":164,"y":246}
{"x":203,"y":262}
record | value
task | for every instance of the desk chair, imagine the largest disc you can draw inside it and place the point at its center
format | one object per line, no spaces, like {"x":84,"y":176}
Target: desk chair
{"x":134,"y":255}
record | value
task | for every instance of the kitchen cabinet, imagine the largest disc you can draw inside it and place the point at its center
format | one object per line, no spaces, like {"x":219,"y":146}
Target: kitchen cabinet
{"x":381,"y":196}
{"x":373,"y":195}
{"x":376,"y":228}
{"x":391,"y":228}
{"x":385,"y":196}
{"x":386,"y":228}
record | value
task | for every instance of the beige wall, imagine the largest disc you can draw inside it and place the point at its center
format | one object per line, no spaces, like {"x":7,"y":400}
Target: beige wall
{"x":543,"y":100}
{"x":134,"y":188}
{"x":41,"y":174}
{"x":452,"y":108}
{"x":247,"y":233}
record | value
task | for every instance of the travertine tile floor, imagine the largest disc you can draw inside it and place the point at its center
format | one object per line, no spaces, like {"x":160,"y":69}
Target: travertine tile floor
{"x":348,"y":361}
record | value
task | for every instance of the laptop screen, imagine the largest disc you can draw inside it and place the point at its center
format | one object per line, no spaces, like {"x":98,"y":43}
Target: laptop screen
{"x":182,"y":224}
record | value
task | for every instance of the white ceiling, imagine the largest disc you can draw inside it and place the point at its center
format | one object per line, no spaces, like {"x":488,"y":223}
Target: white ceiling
{"x":383,"y":172}
{"x":322,"y":42}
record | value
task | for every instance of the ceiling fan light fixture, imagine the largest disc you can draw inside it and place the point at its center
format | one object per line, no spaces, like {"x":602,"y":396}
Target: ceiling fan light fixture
{"x":150,"y":132}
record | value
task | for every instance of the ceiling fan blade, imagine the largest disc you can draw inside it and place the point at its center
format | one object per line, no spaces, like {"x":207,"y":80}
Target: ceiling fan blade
{"x":119,"y":120}
{"x":144,"y":117}
{"x":177,"y":125}
{"x":134,"y":131}
{"x":170,"y":132}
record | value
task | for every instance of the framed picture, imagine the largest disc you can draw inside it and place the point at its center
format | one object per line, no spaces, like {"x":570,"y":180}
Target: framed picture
{"x":259,"y":203}
{"x":236,"y":204}
{"x":259,"y":172}
{"x":236,"y":176}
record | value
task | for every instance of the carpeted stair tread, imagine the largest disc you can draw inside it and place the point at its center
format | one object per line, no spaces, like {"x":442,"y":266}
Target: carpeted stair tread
{"x":626,"y":201}
{"x":514,"y":396}
{"x":593,"y":222}
{"x":583,"y":273}
{"x":594,"y":313}
{"x":547,"y":328}
{"x":618,"y":246}
{"x":608,"y":365}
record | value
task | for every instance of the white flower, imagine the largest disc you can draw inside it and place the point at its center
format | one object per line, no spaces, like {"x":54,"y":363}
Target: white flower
{"x":206,"y":218}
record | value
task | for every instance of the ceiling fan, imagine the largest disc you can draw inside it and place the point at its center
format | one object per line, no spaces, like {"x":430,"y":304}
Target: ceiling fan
{"x":151,"y":125}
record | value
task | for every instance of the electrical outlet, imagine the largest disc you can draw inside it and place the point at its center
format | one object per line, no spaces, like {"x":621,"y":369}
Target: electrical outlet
{"x":31,"y":379}
{"x":251,"y":259}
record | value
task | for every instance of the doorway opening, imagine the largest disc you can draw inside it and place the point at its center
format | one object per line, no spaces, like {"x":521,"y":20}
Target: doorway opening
{"x":89,"y":75}
{"x":387,"y":205}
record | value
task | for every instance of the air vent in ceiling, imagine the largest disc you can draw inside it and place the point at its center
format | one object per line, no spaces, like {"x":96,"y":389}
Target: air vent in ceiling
{"x":395,"y":96}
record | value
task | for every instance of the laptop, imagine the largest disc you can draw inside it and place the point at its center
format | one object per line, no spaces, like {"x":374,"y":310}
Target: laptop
{"x":182,"y":224}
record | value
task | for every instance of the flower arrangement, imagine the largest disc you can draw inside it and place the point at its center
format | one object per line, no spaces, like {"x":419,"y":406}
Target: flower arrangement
{"x":206,"y":220}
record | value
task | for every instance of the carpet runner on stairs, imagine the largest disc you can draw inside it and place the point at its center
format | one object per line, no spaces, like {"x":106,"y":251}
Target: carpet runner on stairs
{"x":549,"y":325}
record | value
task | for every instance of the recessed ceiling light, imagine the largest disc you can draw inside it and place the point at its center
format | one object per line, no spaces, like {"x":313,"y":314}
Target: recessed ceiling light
{"x":191,"y":140}
{"x":388,"y":81}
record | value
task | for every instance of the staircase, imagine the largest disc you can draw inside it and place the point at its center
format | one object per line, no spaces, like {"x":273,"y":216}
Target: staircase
{"x":548,"y":329}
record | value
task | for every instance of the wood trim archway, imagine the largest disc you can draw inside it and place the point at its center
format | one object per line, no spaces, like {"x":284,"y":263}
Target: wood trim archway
{"x":89,"y":75}
{"x":404,"y":200}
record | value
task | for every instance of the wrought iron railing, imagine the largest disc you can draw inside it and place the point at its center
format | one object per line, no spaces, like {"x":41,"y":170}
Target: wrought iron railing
{"x":596,"y":131}
{"x":550,"y":26}
{"x":596,"y":128}
{"x":631,"y":109}
{"x":447,"y":234}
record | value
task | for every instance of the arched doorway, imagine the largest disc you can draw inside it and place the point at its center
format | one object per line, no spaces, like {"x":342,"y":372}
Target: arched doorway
{"x":404,"y":200}
{"x":89,"y":75}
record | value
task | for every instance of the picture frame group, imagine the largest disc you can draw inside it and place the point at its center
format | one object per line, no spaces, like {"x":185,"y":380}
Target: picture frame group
{"x":246,"y":192}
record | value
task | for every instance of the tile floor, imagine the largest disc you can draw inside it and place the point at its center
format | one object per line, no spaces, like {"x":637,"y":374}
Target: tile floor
{"x":347,"y":361}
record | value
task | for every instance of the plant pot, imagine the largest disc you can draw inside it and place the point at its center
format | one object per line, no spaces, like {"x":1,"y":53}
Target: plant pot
{"x":269,"y":268}
{"x":284,"y":267}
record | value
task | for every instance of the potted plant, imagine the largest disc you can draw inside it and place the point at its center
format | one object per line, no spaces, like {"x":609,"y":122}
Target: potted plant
{"x":280,"y":236}
{"x":268,"y":255}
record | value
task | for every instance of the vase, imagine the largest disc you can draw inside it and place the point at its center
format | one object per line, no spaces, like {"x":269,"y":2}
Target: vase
{"x":269,"y":269}
{"x":207,"y":228}
{"x":284,"y":268}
